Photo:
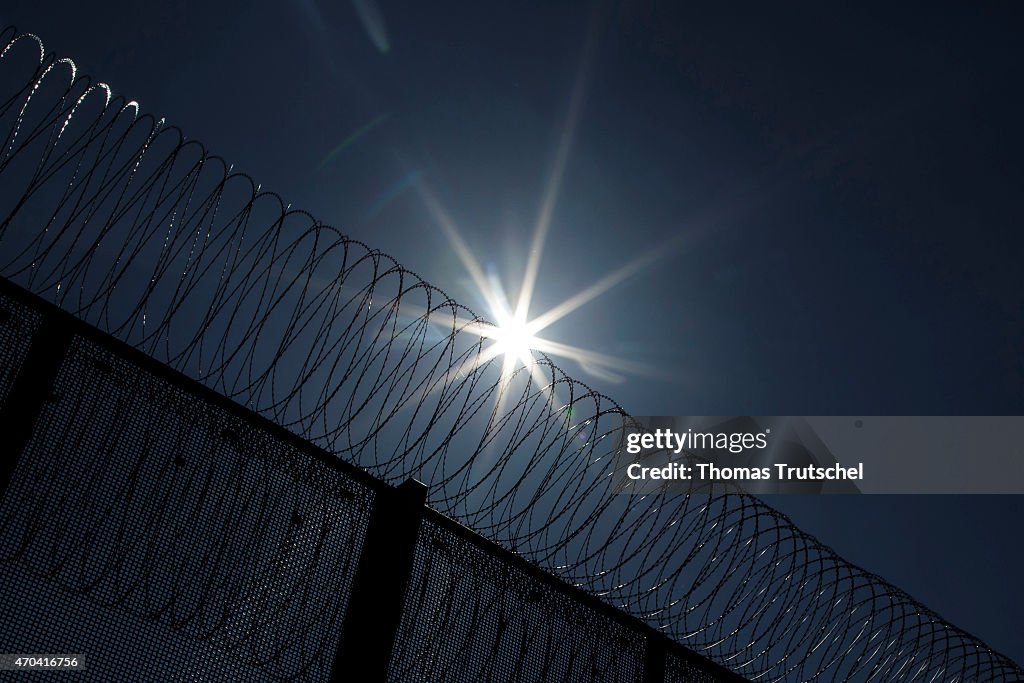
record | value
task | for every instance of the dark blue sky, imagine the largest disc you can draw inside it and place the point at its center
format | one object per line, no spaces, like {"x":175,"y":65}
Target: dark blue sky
{"x":844,"y":181}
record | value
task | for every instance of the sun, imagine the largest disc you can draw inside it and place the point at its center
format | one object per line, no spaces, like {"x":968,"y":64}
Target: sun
{"x":513,"y":334}
{"x":514,"y":339}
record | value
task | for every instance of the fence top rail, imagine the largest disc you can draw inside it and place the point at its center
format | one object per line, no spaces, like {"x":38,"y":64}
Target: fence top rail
{"x":579,"y":596}
{"x":77,"y":327}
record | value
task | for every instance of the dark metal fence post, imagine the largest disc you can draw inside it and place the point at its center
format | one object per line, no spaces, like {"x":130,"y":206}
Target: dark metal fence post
{"x":654,"y":659}
{"x":375,"y":609}
{"x":31,"y":389}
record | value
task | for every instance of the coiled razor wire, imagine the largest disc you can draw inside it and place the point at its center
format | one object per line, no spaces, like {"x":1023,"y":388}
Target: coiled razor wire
{"x":116,"y":217}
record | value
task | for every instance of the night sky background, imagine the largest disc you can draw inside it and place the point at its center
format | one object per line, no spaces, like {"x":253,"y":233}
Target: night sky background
{"x":836,"y":193}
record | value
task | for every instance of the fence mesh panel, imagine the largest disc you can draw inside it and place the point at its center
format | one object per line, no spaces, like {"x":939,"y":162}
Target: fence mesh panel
{"x":143,"y":522}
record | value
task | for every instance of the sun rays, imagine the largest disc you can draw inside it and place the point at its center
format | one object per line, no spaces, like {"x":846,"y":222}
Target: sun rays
{"x":514,"y":334}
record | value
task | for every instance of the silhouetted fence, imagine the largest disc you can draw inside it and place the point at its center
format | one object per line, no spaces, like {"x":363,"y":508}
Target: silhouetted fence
{"x":147,"y":490}
{"x":166,"y":533}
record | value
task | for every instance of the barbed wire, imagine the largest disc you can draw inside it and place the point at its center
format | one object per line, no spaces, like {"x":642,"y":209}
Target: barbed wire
{"x":119,"y":219}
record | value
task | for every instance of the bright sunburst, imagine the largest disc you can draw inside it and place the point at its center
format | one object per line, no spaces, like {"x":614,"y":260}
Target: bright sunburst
{"x":514,"y":334}
{"x":513,"y":338}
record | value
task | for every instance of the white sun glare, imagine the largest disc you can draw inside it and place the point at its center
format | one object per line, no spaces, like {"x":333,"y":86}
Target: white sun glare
{"x":513,"y":338}
{"x":514,"y":334}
